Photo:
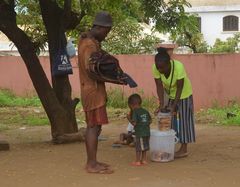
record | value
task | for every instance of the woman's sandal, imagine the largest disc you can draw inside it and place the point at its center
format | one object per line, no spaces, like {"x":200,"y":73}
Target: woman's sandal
{"x":181,"y":155}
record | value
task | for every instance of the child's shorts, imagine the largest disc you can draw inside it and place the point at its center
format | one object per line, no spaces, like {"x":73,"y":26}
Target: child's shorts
{"x":142,"y":143}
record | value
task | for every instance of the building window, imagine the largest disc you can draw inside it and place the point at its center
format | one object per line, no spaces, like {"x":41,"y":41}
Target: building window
{"x":230,"y":23}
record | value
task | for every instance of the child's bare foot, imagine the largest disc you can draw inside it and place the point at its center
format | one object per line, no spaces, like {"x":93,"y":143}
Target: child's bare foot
{"x":144,"y":162}
{"x":136,"y":164}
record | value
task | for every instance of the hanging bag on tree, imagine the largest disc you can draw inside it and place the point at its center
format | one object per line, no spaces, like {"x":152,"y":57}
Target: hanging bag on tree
{"x":61,"y":62}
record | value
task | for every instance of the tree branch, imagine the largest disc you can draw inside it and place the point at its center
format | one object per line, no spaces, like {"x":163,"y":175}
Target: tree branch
{"x":67,"y":7}
{"x":7,"y":10}
{"x":71,"y":19}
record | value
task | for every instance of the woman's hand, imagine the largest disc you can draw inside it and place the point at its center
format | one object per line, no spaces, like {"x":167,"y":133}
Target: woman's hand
{"x":173,"y":110}
{"x":157,"y":110}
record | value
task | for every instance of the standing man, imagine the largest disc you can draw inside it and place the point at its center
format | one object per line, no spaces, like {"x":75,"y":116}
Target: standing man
{"x":93,"y":91}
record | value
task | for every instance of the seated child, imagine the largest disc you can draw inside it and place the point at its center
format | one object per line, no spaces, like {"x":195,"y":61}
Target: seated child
{"x":127,"y":138}
{"x":141,"y":121}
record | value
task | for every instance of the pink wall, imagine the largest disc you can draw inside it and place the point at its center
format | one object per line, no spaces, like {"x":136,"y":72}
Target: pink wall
{"x":214,"y":77}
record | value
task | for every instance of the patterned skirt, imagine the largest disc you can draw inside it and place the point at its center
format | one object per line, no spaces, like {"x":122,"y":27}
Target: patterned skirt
{"x":183,"y":122}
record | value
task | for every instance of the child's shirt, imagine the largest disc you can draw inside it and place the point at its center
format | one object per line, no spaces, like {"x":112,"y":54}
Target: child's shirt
{"x":143,"y":120}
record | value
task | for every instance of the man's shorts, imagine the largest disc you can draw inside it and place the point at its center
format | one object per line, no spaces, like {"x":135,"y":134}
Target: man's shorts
{"x":97,"y":116}
{"x":142,"y":143}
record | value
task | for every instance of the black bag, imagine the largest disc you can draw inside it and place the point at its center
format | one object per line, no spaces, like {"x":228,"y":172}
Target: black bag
{"x":105,"y":67}
{"x":61,"y":62}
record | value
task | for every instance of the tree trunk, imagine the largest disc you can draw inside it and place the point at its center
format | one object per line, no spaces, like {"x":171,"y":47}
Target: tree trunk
{"x":60,"y":108}
{"x":53,"y":19}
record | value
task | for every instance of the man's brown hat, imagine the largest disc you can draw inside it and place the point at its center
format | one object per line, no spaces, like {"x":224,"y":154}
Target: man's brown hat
{"x":103,"y":19}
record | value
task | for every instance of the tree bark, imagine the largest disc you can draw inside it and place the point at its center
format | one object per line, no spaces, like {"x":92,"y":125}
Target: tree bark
{"x":57,"y":102}
{"x":53,"y":17}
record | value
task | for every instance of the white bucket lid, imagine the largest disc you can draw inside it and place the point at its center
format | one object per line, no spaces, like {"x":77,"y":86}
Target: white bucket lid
{"x":170,"y":132}
{"x":164,"y":114}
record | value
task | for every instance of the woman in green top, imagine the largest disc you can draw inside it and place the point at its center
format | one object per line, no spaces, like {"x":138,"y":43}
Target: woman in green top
{"x":171,"y":76}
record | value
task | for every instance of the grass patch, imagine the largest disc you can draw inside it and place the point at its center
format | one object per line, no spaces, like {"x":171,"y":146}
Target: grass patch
{"x":36,"y":121}
{"x":3,"y":127}
{"x":117,"y":108}
{"x":26,"y":119}
{"x":117,"y":99}
{"x":229,"y":115}
{"x":8,"y":99}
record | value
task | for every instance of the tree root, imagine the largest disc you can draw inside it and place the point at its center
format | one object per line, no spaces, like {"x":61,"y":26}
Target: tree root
{"x":71,"y":137}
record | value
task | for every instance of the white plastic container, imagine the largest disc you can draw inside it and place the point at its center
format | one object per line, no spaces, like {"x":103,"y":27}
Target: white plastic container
{"x":164,"y":121}
{"x":162,"y":145}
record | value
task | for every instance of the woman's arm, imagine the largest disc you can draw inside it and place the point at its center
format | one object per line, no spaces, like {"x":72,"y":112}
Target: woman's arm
{"x":160,"y":92}
{"x":180,"y":84}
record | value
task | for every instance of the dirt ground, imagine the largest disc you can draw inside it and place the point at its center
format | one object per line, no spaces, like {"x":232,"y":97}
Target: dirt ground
{"x":33,"y":161}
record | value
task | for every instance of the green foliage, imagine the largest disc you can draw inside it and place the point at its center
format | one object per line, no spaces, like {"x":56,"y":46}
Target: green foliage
{"x":35,"y":120}
{"x":193,"y":41}
{"x":218,"y":115}
{"x":3,"y":127}
{"x":30,"y":20}
{"x":188,"y":35}
{"x":9,"y":99}
{"x":185,"y":29}
{"x":128,"y":37}
{"x":117,"y":99}
{"x":170,"y":16}
{"x":231,"y":45}
{"x":28,"y":120}
{"x":32,"y":116}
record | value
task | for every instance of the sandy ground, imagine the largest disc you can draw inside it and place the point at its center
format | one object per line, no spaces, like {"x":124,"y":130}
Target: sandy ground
{"x":33,"y":161}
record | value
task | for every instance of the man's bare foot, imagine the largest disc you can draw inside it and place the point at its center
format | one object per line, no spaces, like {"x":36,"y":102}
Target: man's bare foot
{"x":98,"y":169}
{"x":144,"y":162}
{"x":103,"y":164}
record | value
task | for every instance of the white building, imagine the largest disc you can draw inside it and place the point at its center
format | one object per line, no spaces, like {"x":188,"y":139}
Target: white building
{"x":6,"y":47}
{"x":217,"y":18}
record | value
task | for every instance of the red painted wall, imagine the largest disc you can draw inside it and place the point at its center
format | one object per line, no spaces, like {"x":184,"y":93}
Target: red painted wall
{"x":215,"y":78}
